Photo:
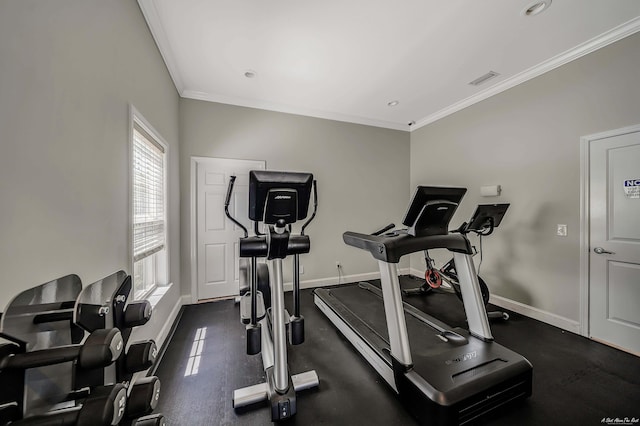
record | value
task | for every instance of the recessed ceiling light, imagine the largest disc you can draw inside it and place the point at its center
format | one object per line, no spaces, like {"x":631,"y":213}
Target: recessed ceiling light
{"x":250,"y":73}
{"x":393,"y":103}
{"x":536,"y":8}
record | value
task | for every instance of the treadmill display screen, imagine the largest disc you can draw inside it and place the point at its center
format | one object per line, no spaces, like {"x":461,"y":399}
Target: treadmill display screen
{"x":431,"y":209}
{"x":484,"y":213}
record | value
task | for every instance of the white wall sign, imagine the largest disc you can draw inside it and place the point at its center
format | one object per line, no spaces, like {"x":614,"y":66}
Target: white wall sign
{"x":632,"y":188}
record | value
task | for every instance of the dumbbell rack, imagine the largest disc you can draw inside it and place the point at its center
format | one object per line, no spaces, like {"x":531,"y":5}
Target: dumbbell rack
{"x":105,"y":304}
{"x":38,"y":359}
{"x":57,"y":378}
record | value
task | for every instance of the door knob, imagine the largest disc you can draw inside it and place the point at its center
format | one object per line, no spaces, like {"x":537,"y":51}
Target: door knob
{"x":600,"y":250}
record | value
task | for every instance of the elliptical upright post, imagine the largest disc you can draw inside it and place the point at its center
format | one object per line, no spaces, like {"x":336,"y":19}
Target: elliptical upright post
{"x":278,"y":199}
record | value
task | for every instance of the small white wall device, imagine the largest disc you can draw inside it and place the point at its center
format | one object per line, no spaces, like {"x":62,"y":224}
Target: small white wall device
{"x":490,"y":190}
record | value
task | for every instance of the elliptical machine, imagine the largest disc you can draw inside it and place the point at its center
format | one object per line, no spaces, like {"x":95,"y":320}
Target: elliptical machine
{"x":278,"y":200}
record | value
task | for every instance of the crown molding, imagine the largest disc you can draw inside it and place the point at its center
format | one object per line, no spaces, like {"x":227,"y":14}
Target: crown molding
{"x":151,"y":15}
{"x":308,"y":112}
{"x":611,"y":36}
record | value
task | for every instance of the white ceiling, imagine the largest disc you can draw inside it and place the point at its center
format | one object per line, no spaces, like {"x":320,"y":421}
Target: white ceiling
{"x":347,"y":59}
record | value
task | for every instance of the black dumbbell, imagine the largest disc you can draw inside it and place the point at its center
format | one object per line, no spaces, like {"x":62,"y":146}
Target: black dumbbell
{"x":143,"y":397}
{"x":137,"y":314}
{"x":101,"y":348}
{"x":140,"y":356}
{"x":105,"y":407}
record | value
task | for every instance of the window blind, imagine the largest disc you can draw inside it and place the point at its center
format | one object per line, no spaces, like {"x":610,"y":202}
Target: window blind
{"x":148,"y":195}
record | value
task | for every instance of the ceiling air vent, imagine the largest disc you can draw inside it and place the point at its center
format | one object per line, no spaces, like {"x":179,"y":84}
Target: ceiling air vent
{"x":488,"y":76}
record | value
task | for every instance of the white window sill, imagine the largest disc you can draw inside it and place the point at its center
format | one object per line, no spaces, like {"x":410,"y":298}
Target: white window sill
{"x":157,"y":294}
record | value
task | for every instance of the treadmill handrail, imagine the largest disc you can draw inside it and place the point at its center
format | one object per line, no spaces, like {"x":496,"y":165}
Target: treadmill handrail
{"x":391,"y":247}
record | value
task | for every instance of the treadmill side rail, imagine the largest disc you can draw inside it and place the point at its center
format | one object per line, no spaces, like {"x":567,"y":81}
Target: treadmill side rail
{"x":394,"y":312}
{"x":472,"y":297}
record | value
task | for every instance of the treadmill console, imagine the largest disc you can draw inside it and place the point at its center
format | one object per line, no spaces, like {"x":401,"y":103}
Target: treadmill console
{"x":431,"y":210}
{"x":427,"y":220}
{"x":487,"y":216}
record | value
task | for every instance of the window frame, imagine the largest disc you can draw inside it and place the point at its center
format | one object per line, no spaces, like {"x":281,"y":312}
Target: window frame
{"x":162,"y":257}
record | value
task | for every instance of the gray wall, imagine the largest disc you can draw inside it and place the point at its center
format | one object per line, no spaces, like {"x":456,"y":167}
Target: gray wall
{"x":68,"y":71}
{"x":70,"y":68}
{"x":361,"y":171}
{"x":527,"y":139}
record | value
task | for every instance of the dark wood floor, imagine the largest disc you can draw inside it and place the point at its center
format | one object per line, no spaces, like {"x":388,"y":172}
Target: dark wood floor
{"x":576,"y":381}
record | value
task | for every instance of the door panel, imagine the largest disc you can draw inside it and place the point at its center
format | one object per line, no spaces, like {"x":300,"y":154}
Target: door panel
{"x":215,"y":269}
{"x":625,"y":211}
{"x":215,"y":220}
{"x":214,"y":178}
{"x":623,"y":293}
{"x":614,"y":259}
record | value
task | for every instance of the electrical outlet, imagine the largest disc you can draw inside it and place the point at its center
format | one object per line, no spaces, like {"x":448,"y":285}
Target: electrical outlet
{"x":301,"y":269}
{"x":561,"y":230}
{"x":338,"y":264}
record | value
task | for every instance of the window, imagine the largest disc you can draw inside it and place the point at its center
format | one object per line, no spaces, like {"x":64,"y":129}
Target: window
{"x":149,"y":195}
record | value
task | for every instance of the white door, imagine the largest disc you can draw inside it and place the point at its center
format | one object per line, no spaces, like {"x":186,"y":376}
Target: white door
{"x":614,"y":259}
{"x":216,"y":236}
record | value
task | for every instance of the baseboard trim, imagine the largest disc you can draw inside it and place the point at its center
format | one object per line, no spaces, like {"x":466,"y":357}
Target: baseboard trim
{"x":537,"y":314}
{"x":166,"y":334}
{"x":337,"y":280}
{"x":417,"y":272}
{"x":527,"y":310}
{"x":161,"y":338}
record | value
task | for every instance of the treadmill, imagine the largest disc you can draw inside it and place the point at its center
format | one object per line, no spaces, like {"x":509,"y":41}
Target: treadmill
{"x":446,"y":375}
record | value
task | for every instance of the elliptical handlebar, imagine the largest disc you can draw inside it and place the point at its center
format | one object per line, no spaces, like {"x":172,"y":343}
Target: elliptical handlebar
{"x":227,"y":200}
{"x":315,"y":207}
